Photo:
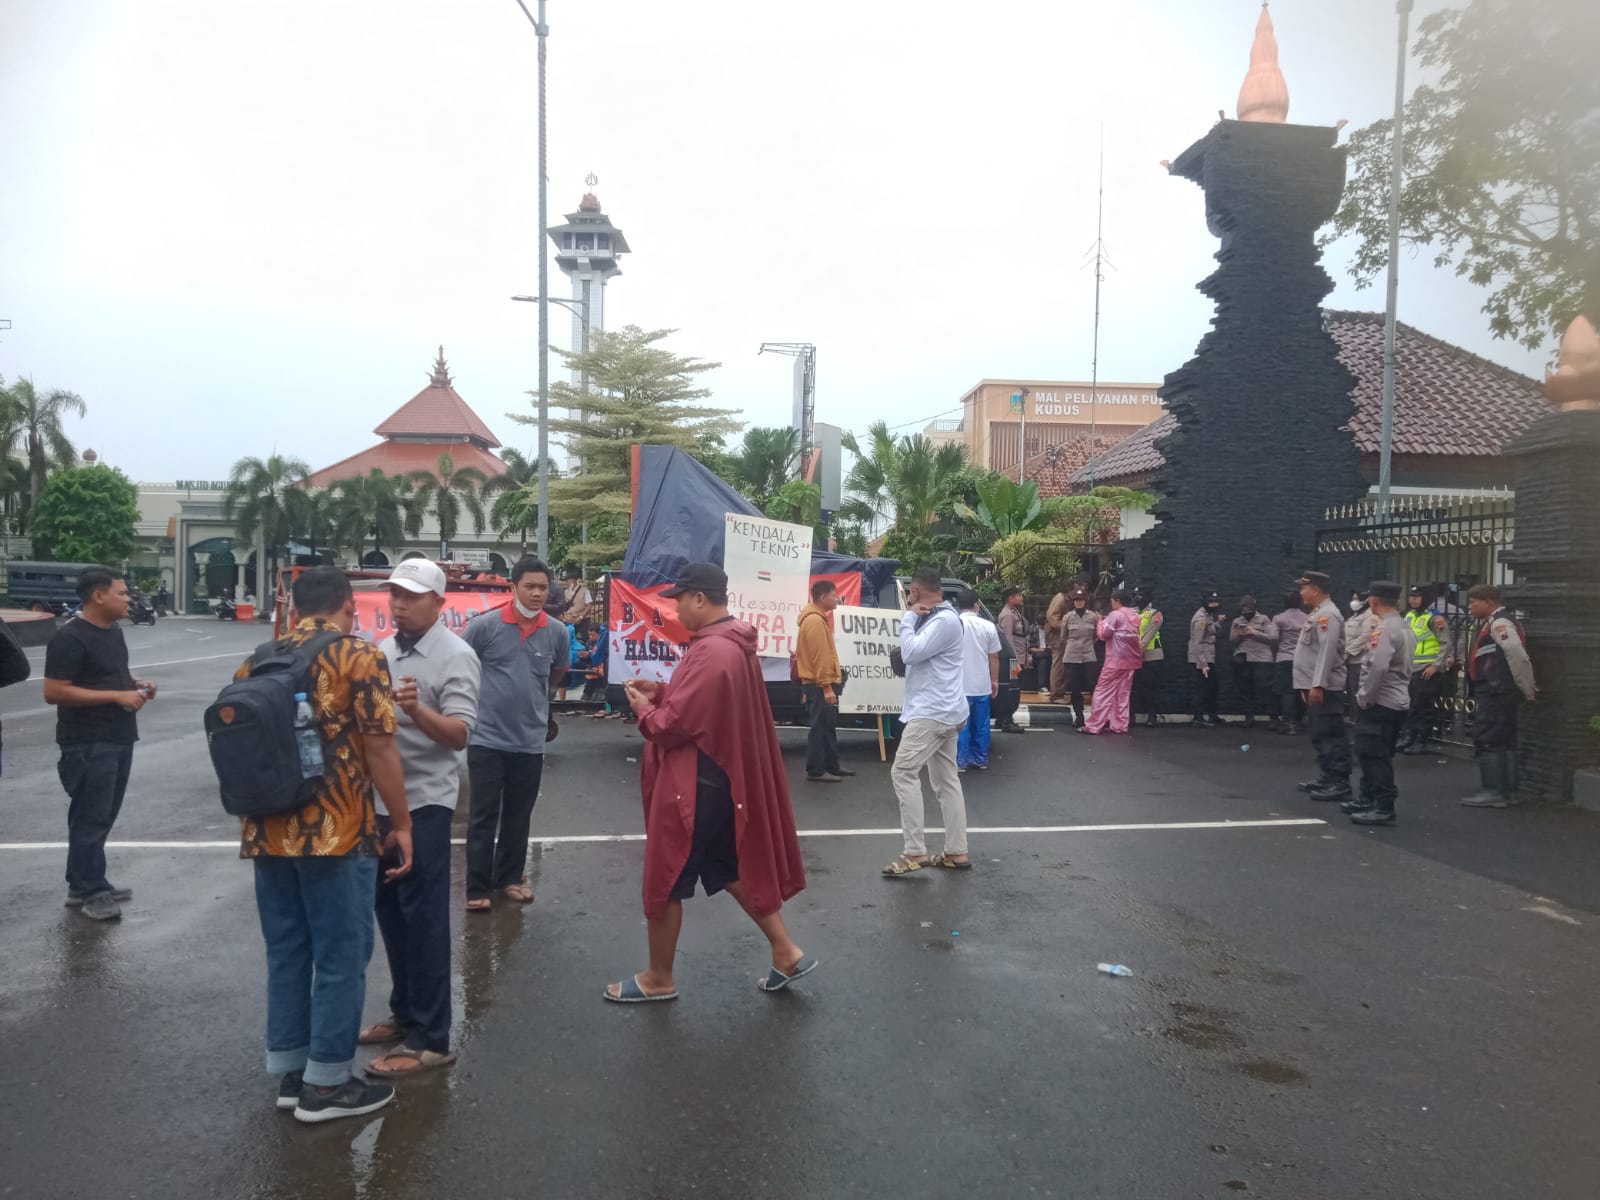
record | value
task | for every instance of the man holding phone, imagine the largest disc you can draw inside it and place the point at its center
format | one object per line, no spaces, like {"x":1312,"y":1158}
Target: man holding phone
{"x":436,"y":677}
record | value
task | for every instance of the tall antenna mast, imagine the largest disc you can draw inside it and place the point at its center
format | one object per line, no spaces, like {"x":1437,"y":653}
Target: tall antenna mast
{"x":1101,"y":260}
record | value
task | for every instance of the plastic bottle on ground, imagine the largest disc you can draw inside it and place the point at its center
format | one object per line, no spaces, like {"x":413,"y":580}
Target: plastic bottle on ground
{"x":1113,"y":969}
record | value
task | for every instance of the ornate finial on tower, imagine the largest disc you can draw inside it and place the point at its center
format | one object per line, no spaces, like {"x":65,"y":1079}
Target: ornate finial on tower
{"x":441,"y":373}
{"x":1264,"y":96}
{"x":590,"y":180}
{"x":589,"y":203}
{"x":1575,"y":383}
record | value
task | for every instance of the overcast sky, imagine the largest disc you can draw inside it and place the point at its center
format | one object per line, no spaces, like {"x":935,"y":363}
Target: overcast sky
{"x":245,"y":226}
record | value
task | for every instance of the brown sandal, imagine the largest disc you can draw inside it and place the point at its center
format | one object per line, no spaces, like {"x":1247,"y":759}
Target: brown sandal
{"x":381,"y":1034}
{"x":904,"y":866}
{"x":521,"y":893}
{"x":425,"y":1060}
{"x":942,"y":859}
{"x":480,"y":905}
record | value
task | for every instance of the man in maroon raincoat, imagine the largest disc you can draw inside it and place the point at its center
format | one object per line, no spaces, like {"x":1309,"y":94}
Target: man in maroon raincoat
{"x":716,"y":803}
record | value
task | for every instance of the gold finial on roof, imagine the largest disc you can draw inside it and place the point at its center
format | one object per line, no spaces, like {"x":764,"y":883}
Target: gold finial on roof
{"x":1264,"y":96}
{"x":1575,"y":383}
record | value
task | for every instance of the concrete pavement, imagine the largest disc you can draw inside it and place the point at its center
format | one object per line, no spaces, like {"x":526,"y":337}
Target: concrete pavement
{"x":1315,"y":1011}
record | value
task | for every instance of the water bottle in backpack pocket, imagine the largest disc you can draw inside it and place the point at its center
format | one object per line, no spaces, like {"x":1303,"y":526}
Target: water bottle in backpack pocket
{"x":262,"y":730}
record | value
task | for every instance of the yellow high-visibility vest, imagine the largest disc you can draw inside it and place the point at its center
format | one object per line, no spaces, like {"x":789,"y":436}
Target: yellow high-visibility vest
{"x":1427,"y":641}
{"x":1144,"y":627}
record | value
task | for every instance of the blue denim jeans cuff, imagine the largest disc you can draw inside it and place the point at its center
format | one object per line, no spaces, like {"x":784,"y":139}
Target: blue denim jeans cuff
{"x":281,"y":1062}
{"x":327,"y":1074}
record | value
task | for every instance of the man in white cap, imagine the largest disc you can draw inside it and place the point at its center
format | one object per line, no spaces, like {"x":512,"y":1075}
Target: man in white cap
{"x":436,"y":677}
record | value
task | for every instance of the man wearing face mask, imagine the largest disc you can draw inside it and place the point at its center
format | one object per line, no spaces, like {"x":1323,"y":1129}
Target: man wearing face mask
{"x":524,"y":653}
{"x":1077,"y":651}
{"x":1254,"y":639}
{"x":1204,"y":630}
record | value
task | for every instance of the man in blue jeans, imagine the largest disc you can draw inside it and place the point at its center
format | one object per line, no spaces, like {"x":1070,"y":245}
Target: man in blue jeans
{"x":435,"y":678}
{"x":86,"y":677}
{"x":317,"y":865}
{"x":980,"y":678}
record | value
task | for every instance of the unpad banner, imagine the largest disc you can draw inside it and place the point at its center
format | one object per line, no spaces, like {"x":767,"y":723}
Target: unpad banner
{"x":374,"y":624}
{"x":646,"y":640}
{"x":864,"y":637}
{"x":769,"y":577}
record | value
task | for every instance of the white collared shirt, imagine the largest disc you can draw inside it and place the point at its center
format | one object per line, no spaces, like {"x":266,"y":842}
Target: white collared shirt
{"x":935,"y":690}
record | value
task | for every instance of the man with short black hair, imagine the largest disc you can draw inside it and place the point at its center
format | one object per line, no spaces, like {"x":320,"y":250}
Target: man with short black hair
{"x":523,"y":655}
{"x":980,"y":679}
{"x":86,"y":677}
{"x":1205,"y":631}
{"x":435,"y":676}
{"x":817,"y":663}
{"x":317,"y":865}
{"x":1502,"y":679}
{"x":935,"y":709}
{"x":1381,"y":701}
{"x":1319,"y":672}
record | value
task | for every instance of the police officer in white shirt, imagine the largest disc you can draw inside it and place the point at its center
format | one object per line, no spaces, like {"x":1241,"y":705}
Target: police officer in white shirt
{"x":1382,"y":702}
{"x":1319,"y":672}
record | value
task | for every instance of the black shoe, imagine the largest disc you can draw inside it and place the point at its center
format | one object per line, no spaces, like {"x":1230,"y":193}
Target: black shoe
{"x":1329,"y":792}
{"x":1355,"y":806}
{"x":1249,"y":722}
{"x":841,"y":771}
{"x":1373,"y":816}
{"x":1077,"y":721}
{"x":289,"y":1088}
{"x":1012,"y":728}
{"x":120,"y":895}
{"x":353,"y":1098}
{"x":1197,"y":723}
{"x":1150,"y":721}
{"x":1306,"y":785}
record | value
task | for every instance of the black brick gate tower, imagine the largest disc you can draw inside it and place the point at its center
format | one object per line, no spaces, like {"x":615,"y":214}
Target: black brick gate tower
{"x":1260,"y":450}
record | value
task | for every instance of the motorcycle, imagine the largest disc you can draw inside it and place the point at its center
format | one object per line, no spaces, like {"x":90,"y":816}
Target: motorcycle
{"x":226,"y":611}
{"x":139,"y":610}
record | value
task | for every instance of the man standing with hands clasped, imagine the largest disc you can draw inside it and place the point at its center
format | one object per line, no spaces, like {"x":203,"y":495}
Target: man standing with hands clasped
{"x":817,"y":662}
{"x":1319,"y":672}
{"x":716,"y":801}
{"x":1381,"y":704}
{"x":86,"y":677}
{"x":931,"y":647}
{"x":435,"y":677}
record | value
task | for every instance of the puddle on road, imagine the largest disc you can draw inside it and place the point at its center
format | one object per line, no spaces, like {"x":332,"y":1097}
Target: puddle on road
{"x":1202,"y":1027}
{"x":1267,"y":1071}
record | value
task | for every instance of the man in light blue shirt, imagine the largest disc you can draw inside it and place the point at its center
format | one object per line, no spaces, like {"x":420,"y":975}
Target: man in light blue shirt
{"x":931,"y":645}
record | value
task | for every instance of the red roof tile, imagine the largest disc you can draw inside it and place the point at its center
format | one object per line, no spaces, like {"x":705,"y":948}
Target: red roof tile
{"x":1447,"y":402}
{"x":401,"y":458}
{"x":1052,"y":468}
{"x":438,"y":412}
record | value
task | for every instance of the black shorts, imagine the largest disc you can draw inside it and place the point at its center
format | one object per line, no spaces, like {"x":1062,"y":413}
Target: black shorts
{"x":714,"y":853}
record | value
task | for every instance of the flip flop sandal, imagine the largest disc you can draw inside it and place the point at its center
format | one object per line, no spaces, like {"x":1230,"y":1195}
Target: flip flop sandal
{"x":629,"y":992}
{"x":481,"y":905}
{"x":942,"y":859}
{"x":776,"y":980}
{"x":519,"y":893}
{"x":426,"y":1060}
{"x":904,"y":866}
{"x":380,"y":1034}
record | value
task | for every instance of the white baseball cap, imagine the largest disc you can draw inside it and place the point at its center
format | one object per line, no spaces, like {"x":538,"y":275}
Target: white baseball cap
{"x":418,"y":575}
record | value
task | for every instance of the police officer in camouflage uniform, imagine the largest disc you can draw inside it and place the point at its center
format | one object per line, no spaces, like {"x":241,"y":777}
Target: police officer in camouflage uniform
{"x":1382,"y":702}
{"x":1319,"y":672}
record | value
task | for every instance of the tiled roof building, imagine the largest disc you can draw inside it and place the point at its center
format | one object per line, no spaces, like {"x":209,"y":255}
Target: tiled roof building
{"x":1454,"y":412}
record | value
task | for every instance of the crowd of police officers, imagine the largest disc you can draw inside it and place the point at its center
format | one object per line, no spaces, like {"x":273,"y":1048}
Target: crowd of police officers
{"x":1368,"y":683}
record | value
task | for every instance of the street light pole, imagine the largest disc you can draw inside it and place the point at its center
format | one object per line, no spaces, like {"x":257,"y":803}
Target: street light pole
{"x":1397,"y":156}
{"x":543,"y":32}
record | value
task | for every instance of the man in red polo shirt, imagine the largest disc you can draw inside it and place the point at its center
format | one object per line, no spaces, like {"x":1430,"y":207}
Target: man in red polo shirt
{"x":524,"y":654}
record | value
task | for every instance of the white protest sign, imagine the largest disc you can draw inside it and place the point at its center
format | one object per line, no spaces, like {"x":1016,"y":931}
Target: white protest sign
{"x":864,"y":637}
{"x":769,"y":578}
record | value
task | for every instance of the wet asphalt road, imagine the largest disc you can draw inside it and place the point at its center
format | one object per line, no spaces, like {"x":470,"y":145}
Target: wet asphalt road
{"x":1314,"y":1011}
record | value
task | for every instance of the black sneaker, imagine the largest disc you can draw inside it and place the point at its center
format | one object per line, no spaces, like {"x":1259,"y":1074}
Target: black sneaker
{"x":120,"y":895}
{"x":353,"y":1098}
{"x":1373,"y":816}
{"x":100,"y":907}
{"x":289,"y":1088}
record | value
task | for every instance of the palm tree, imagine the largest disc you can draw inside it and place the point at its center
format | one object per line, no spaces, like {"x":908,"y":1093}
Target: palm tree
{"x":373,"y":505}
{"x":516,"y":501}
{"x":764,"y":462}
{"x":35,"y":421}
{"x":257,"y":502}
{"x":902,"y":476}
{"x":312,"y":516}
{"x":448,"y":490}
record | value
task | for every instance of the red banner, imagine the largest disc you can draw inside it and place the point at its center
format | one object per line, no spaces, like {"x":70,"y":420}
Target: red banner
{"x":646,"y":639}
{"x":372,"y":611}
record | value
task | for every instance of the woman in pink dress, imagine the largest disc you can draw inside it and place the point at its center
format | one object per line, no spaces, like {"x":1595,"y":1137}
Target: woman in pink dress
{"x":1119,"y":630}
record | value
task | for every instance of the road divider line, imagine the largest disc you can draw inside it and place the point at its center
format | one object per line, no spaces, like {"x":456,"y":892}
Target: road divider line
{"x":591,"y":838}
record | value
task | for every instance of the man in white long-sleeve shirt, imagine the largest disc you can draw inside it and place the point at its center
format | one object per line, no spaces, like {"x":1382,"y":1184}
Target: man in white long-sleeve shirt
{"x":1382,"y":699}
{"x":1319,"y":672}
{"x":931,"y":641}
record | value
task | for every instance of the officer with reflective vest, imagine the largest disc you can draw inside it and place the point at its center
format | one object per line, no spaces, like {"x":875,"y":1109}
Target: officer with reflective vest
{"x":1431,"y":667}
{"x":1502,"y":678}
{"x":1144,"y":679}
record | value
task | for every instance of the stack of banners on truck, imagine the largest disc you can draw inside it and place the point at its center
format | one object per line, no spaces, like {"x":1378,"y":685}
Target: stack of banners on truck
{"x":769,"y":577}
{"x":864,"y":637}
{"x":374,"y":623}
{"x":647,"y":641}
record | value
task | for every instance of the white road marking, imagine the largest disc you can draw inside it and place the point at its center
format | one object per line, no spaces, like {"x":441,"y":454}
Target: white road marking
{"x":1544,"y":910}
{"x":589,"y":838}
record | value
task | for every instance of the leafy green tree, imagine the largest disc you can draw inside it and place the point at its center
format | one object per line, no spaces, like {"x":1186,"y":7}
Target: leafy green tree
{"x":639,"y":393}
{"x":444,"y":494}
{"x":898,"y":476}
{"x":764,"y":463}
{"x":257,"y":502}
{"x":373,"y":505}
{"x":313,"y":518}
{"x":1006,"y":507}
{"x":515,"y":510}
{"x":86,"y":514}
{"x":1036,"y":560}
{"x":35,"y":421}
{"x":1502,"y":163}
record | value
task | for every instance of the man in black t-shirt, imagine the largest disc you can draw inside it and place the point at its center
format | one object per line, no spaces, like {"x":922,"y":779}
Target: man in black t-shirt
{"x":86,"y":677}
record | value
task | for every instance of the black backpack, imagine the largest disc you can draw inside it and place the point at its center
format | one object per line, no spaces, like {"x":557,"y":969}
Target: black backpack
{"x":250,"y":729}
